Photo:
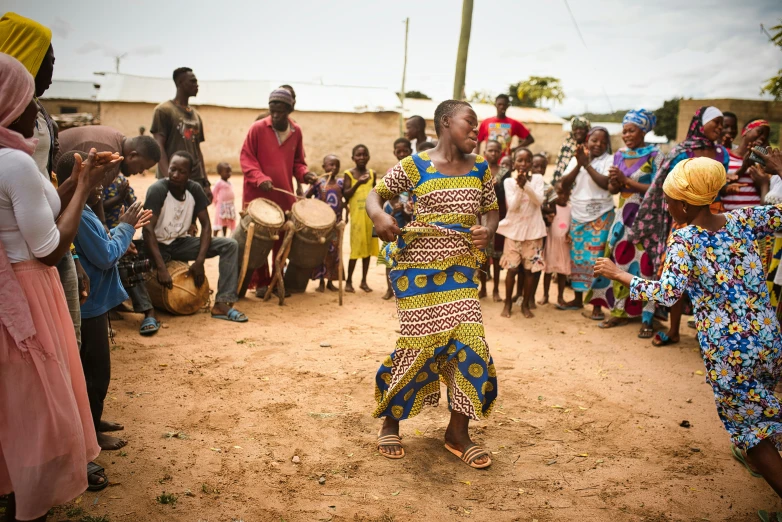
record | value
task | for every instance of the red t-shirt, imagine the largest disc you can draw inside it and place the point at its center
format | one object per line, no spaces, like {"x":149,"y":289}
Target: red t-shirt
{"x":502,"y":130}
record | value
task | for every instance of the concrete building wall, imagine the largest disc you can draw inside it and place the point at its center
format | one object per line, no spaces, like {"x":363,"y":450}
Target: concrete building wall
{"x":744,"y":110}
{"x":56,"y":106}
{"x":324,"y":133}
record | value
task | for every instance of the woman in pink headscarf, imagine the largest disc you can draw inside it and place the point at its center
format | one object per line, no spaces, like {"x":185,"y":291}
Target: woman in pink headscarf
{"x":46,"y":430}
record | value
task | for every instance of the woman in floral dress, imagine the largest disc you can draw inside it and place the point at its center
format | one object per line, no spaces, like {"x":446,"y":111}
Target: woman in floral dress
{"x":715,"y":258}
{"x":652,"y":225}
{"x":630,"y":176}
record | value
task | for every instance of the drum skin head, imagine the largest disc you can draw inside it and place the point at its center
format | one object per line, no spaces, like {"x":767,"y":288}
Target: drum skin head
{"x":267,"y":212}
{"x":314,"y":213}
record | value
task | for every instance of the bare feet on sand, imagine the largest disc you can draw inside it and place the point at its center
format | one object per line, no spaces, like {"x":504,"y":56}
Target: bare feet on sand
{"x":506,"y":310}
{"x":365,"y":287}
{"x":349,"y":288}
{"x":107,"y":442}
{"x":388,"y":295}
{"x":495,"y":296}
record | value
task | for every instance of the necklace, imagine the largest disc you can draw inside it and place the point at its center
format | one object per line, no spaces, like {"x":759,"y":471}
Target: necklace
{"x":186,"y":108}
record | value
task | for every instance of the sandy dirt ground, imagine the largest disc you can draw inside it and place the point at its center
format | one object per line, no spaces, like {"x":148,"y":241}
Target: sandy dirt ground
{"x":586,"y":426}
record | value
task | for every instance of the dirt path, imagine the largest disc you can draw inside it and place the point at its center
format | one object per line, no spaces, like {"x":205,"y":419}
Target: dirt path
{"x":586,"y":427}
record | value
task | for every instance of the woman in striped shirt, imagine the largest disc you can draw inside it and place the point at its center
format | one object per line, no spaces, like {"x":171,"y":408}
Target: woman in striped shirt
{"x":742,"y":191}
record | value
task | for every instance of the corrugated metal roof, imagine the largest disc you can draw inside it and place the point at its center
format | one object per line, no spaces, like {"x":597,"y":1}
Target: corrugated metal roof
{"x":615,"y":129}
{"x":71,"y":90}
{"x":425,"y":109}
{"x":250,"y":94}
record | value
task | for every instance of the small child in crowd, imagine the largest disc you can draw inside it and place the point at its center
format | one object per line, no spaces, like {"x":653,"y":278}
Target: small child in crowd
{"x":557,"y":250}
{"x":118,"y":194}
{"x":524,"y":230}
{"x":400,"y":208}
{"x":427,"y":145}
{"x":329,"y":190}
{"x":223,"y":199}
{"x":358,"y":183}
{"x":492,"y":155}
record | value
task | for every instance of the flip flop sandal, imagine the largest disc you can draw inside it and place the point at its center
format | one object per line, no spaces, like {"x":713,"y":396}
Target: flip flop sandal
{"x":560,"y":307}
{"x":96,"y":470}
{"x":233,"y":315}
{"x":608,"y":323}
{"x":472,"y":453}
{"x":738,"y":455}
{"x":662,"y":339}
{"x":646,"y":332}
{"x":589,"y":315}
{"x":774,"y":516}
{"x":390,"y":440}
{"x":149,"y":321}
{"x":691,"y":324}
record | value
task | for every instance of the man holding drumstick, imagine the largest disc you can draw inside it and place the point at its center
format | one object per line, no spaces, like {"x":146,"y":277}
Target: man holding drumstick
{"x":272,"y":154}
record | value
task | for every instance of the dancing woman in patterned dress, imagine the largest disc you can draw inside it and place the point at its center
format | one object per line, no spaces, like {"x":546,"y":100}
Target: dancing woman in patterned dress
{"x":435,"y":259}
{"x":714,"y":257}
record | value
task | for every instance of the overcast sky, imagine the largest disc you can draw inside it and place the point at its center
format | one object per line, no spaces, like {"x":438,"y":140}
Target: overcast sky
{"x":639,"y":52}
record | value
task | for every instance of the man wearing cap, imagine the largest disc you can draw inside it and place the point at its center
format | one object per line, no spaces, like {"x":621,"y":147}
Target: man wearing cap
{"x":272,"y":155}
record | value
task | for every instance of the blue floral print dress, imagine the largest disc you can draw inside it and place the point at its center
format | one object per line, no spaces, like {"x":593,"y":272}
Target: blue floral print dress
{"x":737,"y":329}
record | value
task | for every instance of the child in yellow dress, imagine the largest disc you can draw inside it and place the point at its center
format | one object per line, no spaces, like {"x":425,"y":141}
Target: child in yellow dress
{"x":359,"y":182}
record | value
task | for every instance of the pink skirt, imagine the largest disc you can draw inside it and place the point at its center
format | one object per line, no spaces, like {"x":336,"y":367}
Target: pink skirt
{"x":557,"y":255}
{"x":46,"y":432}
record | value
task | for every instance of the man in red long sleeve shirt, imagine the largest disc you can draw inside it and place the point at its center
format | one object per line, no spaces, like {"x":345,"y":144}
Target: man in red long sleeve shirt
{"x":272,"y":154}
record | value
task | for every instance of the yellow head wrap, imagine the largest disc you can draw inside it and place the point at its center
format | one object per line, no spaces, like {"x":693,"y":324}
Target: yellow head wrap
{"x":696,"y":181}
{"x":24,"y":39}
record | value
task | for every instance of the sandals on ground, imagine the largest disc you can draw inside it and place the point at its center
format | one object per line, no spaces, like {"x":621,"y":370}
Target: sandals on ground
{"x":613,"y":322}
{"x":472,"y":453}
{"x":146,"y":324}
{"x":96,"y":470}
{"x":661,"y":339}
{"x":233,"y":315}
{"x":739,"y":455}
{"x":646,"y":332}
{"x":390,"y":440}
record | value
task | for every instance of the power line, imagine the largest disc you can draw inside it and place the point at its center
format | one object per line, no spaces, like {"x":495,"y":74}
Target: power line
{"x":583,"y":42}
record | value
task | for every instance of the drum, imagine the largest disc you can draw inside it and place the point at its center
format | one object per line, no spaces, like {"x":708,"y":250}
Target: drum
{"x":314,"y":222}
{"x":184,"y":298}
{"x":267,"y":218}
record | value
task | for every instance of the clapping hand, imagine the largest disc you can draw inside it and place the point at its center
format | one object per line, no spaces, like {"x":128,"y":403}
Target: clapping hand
{"x":91,"y":171}
{"x":606,"y":268}
{"x":582,"y":156}
{"x":135,"y":216}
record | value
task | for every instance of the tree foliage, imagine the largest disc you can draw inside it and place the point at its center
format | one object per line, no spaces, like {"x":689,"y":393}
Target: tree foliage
{"x":774,"y":84}
{"x":667,"y":119}
{"x":533,"y":91}
{"x":481,"y":97}
{"x":416,"y":95}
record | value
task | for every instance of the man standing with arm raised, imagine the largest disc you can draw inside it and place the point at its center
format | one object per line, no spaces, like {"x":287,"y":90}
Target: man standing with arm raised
{"x":177,"y":126}
{"x":272,"y":154}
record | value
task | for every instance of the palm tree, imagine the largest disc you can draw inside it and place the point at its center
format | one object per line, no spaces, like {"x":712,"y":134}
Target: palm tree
{"x":461,"y":57}
{"x":539,"y":88}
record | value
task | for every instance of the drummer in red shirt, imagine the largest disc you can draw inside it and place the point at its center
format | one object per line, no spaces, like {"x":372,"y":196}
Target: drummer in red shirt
{"x":272,"y":154}
{"x":503,"y":129}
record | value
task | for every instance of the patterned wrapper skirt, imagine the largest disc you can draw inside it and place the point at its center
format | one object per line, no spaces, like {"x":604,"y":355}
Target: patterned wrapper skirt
{"x":442,"y":338}
{"x":588,"y":243}
{"x":629,"y":257}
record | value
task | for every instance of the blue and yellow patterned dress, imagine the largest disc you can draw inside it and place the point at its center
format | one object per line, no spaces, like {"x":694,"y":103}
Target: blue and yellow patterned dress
{"x":435,"y":280}
{"x":737,"y":329}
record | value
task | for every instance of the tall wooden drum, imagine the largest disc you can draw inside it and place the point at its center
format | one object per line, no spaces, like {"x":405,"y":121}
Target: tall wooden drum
{"x":184,"y":298}
{"x":314,"y":224}
{"x":265,"y":218}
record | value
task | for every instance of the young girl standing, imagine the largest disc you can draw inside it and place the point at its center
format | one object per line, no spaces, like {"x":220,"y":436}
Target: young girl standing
{"x":714,"y":257}
{"x":329,"y":190}
{"x":436,"y":258}
{"x":223,"y":199}
{"x":493,"y":155}
{"x":557,"y":251}
{"x":358,"y":183}
{"x":524,"y":231}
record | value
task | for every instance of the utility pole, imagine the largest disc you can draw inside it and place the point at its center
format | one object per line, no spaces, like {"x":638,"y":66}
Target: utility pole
{"x":404,"y":75}
{"x":461,"y":56}
{"x":117,"y":59}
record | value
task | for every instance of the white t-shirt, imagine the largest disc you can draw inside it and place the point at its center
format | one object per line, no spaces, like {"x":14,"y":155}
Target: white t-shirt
{"x":175,"y":218}
{"x":29,"y":204}
{"x":587,"y":200}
